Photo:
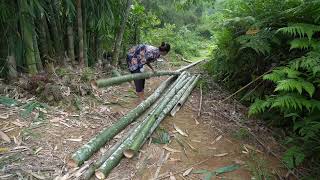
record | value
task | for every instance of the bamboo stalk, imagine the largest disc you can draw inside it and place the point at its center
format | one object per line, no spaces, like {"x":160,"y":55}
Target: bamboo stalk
{"x":190,"y":65}
{"x":161,"y":111}
{"x":113,"y":160}
{"x":106,"y":134}
{"x":130,"y":77}
{"x":135,"y":129}
{"x":184,"y":98}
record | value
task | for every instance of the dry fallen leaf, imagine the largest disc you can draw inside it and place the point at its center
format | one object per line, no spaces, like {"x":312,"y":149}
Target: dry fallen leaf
{"x":17,"y":140}
{"x":196,"y":141}
{"x":187,"y":172}
{"x":174,"y":160}
{"x":217,"y":139}
{"x":19,"y":123}
{"x":5,"y":137}
{"x":170,"y":149}
{"x":197,"y":122}
{"x":38,"y":150}
{"x":252,"y":148}
{"x":4,"y":116}
{"x":74,"y":140}
{"x":221,"y":155}
{"x":180,"y":131}
{"x":56,"y":119}
{"x":172,"y":176}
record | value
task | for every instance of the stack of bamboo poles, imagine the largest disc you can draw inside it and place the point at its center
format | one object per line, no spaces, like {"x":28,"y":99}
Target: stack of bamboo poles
{"x":169,"y":96}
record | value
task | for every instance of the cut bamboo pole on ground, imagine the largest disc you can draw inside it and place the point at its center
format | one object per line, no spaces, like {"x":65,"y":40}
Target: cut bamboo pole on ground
{"x":91,"y":170}
{"x":113,"y":160}
{"x":200,"y":104}
{"x":130,"y":77}
{"x":147,"y":129}
{"x":190,"y":65}
{"x":184,"y":98}
{"x":85,"y":152}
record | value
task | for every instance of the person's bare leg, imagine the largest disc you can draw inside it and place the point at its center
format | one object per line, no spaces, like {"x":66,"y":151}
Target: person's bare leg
{"x":141,"y":96}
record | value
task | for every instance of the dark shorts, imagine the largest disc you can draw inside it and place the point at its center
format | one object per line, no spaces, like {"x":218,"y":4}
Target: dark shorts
{"x":139,"y":83}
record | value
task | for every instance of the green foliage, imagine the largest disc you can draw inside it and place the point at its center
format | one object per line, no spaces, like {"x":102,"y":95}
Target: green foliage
{"x":242,"y":134}
{"x":210,"y":174}
{"x":294,"y":156}
{"x":259,"y":167}
{"x":301,"y":30}
{"x":163,"y":137}
{"x":9,"y":102}
{"x":31,"y":106}
{"x":259,"y":42}
{"x":254,"y":37}
{"x":87,"y":74}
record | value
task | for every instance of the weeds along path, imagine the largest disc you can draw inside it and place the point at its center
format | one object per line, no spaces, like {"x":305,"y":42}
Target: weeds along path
{"x":41,"y":143}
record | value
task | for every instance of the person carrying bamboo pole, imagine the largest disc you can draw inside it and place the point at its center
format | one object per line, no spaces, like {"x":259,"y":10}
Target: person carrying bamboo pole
{"x":141,"y":55}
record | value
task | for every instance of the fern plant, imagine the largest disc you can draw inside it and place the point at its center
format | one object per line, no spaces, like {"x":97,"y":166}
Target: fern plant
{"x":260,"y":42}
{"x":296,"y":84}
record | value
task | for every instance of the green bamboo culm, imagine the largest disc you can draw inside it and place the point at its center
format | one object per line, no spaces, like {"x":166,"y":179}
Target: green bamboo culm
{"x":116,"y":157}
{"x":88,"y":174}
{"x":184,"y":97}
{"x":130,"y":77}
{"x":27,"y":35}
{"x":147,"y":129}
{"x":86,"y":151}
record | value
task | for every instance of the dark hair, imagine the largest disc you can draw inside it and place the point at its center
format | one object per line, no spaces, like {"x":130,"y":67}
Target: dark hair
{"x":164,"y":47}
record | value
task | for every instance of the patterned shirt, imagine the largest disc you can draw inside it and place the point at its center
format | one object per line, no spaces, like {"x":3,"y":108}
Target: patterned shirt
{"x":141,"y":54}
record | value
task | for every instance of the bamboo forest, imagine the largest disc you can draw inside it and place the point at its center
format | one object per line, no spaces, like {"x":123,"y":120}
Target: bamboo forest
{"x":160,"y":89}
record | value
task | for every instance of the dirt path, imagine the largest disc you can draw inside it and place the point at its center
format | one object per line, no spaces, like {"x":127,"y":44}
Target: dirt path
{"x":40,"y":147}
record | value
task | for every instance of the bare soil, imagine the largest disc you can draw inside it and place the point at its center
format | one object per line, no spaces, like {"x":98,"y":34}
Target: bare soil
{"x":39,"y":148}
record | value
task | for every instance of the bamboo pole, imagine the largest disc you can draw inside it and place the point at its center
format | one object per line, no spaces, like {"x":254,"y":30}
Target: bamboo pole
{"x":184,"y":97}
{"x":88,"y":174}
{"x":147,"y":129}
{"x":190,"y":65}
{"x":130,"y":77}
{"x":116,"y":157}
{"x":106,"y":134}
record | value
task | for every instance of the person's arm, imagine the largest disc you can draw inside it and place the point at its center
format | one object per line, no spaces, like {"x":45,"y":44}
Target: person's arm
{"x":149,"y":65}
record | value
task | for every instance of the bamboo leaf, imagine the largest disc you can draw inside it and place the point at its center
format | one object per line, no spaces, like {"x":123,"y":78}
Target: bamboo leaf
{"x":5,"y":137}
{"x":180,"y":131}
{"x":226,"y":169}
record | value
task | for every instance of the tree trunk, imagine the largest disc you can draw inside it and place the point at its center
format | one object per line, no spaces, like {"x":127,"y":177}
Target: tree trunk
{"x":184,"y":98}
{"x":85,"y":37}
{"x":70,"y":42}
{"x":80,"y":33}
{"x":116,"y":157}
{"x":27,"y":36}
{"x":130,"y":77}
{"x":119,"y":37}
{"x":44,"y":42}
{"x":36,"y":51}
{"x":105,"y":135}
{"x":55,"y":32}
{"x":12,"y":68}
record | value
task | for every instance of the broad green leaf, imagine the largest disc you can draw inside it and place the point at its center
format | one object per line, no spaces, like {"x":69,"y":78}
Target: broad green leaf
{"x":226,"y":169}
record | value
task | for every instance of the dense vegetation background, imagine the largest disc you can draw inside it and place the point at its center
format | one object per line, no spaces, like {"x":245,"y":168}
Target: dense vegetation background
{"x":272,"y":44}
